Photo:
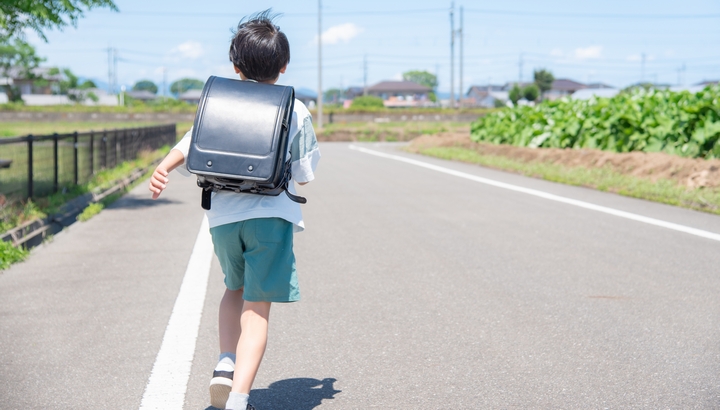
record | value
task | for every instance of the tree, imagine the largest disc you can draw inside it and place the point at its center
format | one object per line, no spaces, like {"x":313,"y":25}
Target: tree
{"x":515,"y":94}
{"x":71,"y":86}
{"x":421,"y":77}
{"x":544,"y":80}
{"x":145,"y":85}
{"x":17,"y":59}
{"x":39,"y":15}
{"x":531,"y":92}
{"x":185,"y":84}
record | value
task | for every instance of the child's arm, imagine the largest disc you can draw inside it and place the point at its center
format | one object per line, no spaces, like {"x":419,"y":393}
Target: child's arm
{"x":159,"y":179}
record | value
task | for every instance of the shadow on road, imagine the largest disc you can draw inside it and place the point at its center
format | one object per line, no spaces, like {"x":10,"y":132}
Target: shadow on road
{"x":298,"y":394}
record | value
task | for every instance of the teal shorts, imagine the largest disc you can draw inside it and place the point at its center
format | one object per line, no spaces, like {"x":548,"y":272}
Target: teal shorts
{"x":257,"y":254}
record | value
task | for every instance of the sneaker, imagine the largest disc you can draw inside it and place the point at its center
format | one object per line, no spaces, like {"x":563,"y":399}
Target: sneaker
{"x":250,"y":407}
{"x":220,"y":387}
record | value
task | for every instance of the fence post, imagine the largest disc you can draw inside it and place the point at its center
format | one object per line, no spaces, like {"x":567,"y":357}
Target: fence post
{"x":104,"y":149}
{"x":30,"y":166}
{"x":75,"y":158}
{"x":92,"y":152}
{"x":56,"y":179}
{"x":115,"y":148}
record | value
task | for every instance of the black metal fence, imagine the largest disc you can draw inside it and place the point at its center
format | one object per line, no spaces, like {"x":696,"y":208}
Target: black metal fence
{"x":34,"y":166}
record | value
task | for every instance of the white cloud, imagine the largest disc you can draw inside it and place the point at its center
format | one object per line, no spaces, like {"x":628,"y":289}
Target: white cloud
{"x":397,"y":77}
{"x":340,"y":33}
{"x":189,"y":50}
{"x":556,"y":52}
{"x":590,"y":52}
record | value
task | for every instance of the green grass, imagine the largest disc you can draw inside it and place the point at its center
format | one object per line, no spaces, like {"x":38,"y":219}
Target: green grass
{"x":171,"y":106}
{"x":603,"y":179}
{"x":20,"y":129}
{"x":90,"y":211}
{"x":10,"y":254}
{"x":390,"y":131}
{"x":17,"y":214}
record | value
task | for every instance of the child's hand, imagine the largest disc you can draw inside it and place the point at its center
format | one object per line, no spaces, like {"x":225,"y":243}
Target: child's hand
{"x":158,"y":182}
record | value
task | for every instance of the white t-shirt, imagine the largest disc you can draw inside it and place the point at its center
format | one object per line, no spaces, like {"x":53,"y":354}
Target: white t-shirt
{"x":228,"y":207}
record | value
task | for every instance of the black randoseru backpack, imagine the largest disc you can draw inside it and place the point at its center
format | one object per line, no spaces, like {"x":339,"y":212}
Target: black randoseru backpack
{"x":240,"y":138}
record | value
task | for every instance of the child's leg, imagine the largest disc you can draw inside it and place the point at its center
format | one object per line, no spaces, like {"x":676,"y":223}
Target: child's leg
{"x":251,"y":345}
{"x":231,"y":307}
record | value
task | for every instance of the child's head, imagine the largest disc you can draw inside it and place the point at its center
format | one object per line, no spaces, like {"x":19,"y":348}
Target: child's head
{"x":259,"y":50}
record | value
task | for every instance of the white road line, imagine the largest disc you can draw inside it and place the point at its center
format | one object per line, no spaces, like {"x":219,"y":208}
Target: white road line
{"x":171,"y":371}
{"x":552,"y":197}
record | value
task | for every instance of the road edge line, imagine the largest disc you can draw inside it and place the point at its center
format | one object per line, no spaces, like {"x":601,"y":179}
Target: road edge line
{"x":546,"y":195}
{"x":167,"y":384}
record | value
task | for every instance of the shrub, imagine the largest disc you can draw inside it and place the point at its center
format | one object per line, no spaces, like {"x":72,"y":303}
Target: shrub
{"x":680,"y":123}
{"x":367,"y":101}
{"x":9,"y":254}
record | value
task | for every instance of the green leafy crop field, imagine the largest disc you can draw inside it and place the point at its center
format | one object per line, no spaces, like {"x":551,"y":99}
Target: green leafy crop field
{"x":679,"y":123}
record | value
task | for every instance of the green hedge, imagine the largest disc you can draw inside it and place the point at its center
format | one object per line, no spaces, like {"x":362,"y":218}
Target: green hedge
{"x":680,"y":123}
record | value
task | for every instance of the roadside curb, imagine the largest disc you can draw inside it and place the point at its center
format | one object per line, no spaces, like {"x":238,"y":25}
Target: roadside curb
{"x":32,"y":233}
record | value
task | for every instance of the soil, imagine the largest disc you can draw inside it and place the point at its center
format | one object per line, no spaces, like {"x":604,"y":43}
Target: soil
{"x":689,"y":172}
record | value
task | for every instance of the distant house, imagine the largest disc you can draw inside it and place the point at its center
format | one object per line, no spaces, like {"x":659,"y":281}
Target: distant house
{"x":30,"y":86}
{"x":563,"y":87}
{"x":142,"y":95}
{"x":190,"y":96}
{"x":599,"y":86}
{"x":401,"y":93}
{"x":588,"y":93}
{"x":706,"y":83}
{"x":488,"y":96}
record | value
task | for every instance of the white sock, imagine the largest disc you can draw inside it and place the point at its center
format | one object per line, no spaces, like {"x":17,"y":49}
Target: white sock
{"x":237,"y":401}
{"x":226,"y":362}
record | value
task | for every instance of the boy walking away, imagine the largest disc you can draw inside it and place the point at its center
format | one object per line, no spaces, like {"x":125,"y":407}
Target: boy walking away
{"x":252,"y":234}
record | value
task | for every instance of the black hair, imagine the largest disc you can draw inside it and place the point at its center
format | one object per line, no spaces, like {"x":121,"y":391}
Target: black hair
{"x":258,"y":48}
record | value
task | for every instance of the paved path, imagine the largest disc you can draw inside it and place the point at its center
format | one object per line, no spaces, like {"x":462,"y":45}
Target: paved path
{"x":420,"y":290}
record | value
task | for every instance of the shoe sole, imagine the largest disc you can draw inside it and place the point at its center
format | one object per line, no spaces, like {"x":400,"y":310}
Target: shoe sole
{"x":219,"y":391}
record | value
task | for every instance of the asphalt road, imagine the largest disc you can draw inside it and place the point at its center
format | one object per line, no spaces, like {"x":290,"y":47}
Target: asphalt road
{"x":420,"y":290}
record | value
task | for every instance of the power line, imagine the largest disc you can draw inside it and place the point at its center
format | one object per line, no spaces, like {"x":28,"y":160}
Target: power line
{"x":595,"y":15}
{"x":437,"y":10}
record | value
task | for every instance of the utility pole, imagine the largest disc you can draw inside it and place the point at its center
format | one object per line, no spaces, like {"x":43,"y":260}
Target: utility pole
{"x":452,"y":55}
{"x":115,"y":76}
{"x":460,"y":32}
{"x":365,"y":74}
{"x":110,"y":70}
{"x":320,"y":93}
{"x":164,"y":90}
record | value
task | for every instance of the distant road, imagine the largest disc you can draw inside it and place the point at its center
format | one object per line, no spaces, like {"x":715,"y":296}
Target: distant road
{"x":423,"y":287}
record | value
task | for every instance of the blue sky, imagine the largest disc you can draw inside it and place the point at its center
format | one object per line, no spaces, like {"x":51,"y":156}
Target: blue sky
{"x":601,"y":41}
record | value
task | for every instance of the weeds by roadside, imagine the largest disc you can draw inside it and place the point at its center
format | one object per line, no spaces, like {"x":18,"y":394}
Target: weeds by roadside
{"x":10,"y":254}
{"x":603,"y":179}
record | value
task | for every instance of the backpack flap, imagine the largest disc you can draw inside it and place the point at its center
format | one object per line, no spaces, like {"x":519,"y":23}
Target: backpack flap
{"x":240,"y":138}
{"x":239,"y":131}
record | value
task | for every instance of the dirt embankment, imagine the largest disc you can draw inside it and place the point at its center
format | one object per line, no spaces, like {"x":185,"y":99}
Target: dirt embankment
{"x":692,"y":173}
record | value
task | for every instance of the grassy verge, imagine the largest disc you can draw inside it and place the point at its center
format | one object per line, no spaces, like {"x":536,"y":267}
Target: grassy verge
{"x":390,"y":131}
{"x":603,"y":179}
{"x":22,"y":128}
